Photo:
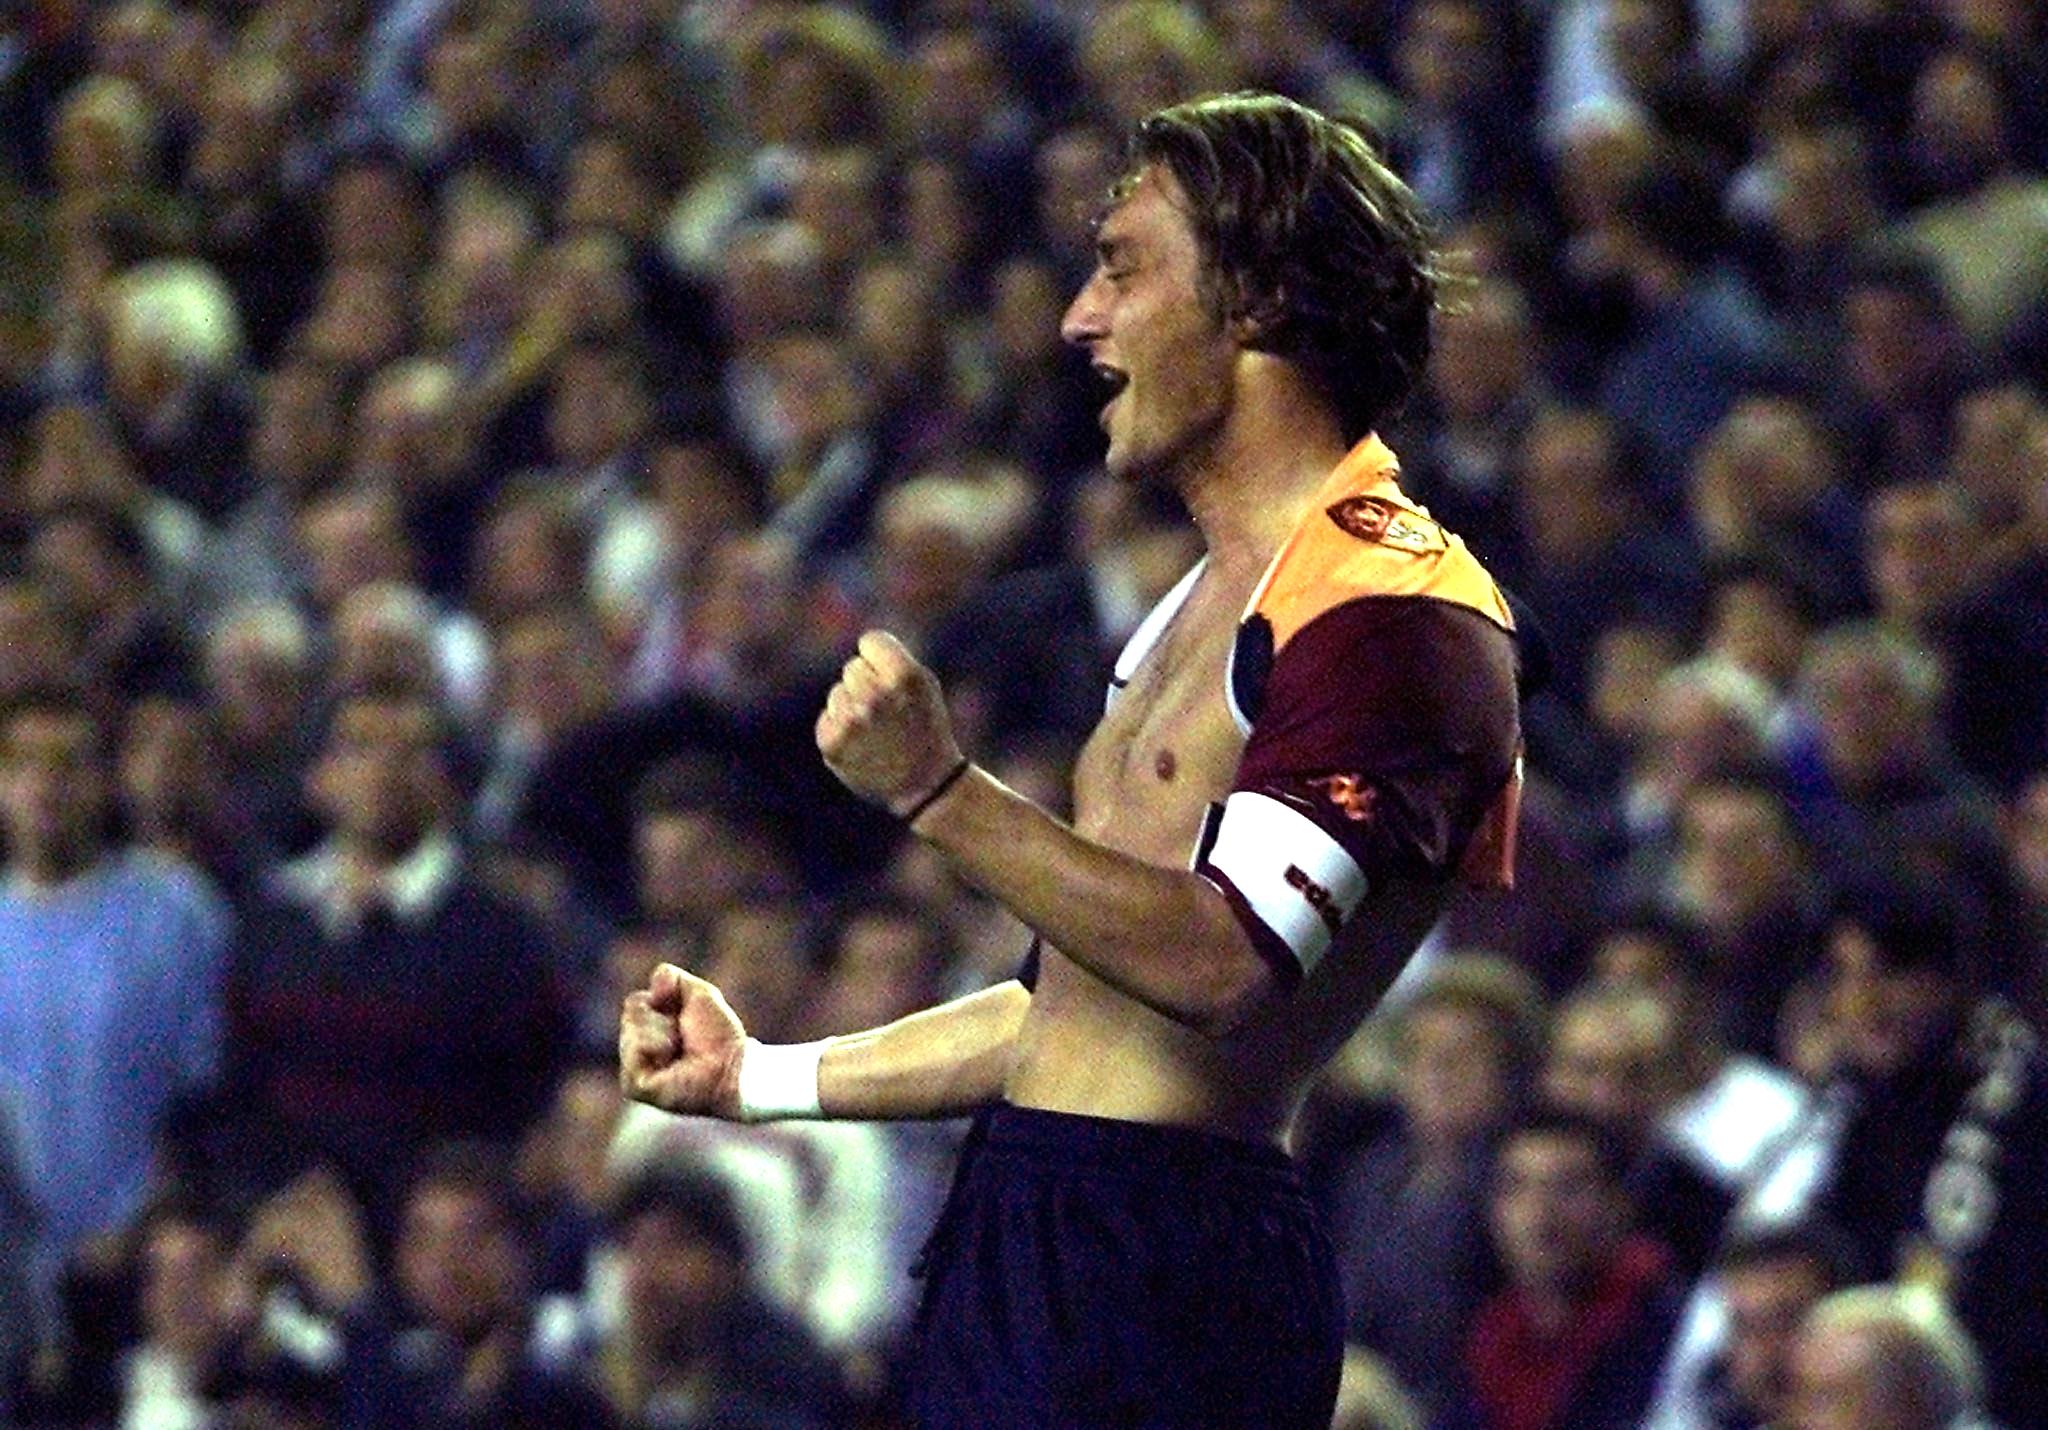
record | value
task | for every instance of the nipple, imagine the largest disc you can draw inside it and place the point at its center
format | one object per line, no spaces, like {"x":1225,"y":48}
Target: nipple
{"x":1165,"y":765}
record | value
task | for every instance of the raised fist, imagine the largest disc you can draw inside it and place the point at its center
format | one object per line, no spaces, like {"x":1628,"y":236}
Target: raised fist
{"x":680,"y":1045}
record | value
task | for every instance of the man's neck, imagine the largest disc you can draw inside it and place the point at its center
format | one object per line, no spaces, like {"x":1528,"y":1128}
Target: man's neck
{"x":1246,"y":492}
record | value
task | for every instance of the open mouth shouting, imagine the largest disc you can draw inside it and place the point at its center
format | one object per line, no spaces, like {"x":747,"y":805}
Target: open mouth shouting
{"x":1114,"y":380}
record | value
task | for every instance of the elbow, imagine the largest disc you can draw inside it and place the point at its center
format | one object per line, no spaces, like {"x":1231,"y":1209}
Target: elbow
{"x":1237,"y":991}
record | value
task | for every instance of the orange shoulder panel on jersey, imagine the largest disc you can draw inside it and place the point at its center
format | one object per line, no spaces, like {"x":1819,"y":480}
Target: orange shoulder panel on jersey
{"x":1363,"y":537}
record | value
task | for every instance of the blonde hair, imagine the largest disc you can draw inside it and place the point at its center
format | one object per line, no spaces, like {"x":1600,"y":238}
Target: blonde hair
{"x":181,"y":308}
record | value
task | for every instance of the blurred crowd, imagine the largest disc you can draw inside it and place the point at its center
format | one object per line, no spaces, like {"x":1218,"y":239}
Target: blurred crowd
{"x":447,"y":446}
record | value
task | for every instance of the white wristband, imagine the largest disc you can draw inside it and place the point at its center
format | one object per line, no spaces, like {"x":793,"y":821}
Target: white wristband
{"x":779,"y":1081}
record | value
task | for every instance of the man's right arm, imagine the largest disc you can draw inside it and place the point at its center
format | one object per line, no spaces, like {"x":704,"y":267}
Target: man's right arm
{"x":683,"y":1049}
{"x":942,"y":1062}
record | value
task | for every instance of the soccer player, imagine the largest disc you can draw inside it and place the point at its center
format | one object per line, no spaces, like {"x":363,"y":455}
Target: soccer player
{"x":1306,"y":744}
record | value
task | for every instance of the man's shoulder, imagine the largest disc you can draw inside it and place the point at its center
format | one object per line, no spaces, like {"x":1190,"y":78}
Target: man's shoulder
{"x":1373,"y":544}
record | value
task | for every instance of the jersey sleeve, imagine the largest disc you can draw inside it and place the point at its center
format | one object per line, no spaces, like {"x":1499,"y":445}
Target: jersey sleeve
{"x":1382,"y":735}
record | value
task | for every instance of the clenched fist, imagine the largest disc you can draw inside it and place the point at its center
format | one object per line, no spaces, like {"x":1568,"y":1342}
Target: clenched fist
{"x":680,"y":1045}
{"x":884,"y":730}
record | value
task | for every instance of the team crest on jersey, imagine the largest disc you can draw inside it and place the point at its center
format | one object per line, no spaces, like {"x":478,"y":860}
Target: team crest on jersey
{"x":1378,"y":520}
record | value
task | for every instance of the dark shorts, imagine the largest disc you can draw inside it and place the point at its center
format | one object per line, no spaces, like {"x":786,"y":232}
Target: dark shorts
{"x":1094,"y":1272}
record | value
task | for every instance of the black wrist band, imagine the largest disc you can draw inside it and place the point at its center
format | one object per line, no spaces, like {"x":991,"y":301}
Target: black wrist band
{"x":952,"y":777}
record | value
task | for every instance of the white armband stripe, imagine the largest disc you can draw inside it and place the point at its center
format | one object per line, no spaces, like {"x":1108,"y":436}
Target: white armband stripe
{"x":1301,"y":883}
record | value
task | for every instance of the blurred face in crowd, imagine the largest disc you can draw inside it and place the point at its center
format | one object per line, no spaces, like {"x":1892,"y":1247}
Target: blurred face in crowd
{"x":380,"y":780}
{"x":1597,"y":161}
{"x":1482,"y":356}
{"x":1641,"y":959}
{"x":885,"y":966}
{"x":1884,"y":1014}
{"x":1074,"y":168}
{"x":1451,"y":1073}
{"x":1150,"y":327}
{"x":378,"y":645}
{"x":1447,"y":55}
{"x":1558,"y":1217}
{"x":1912,"y":540}
{"x":1737,"y":854}
{"x":1688,"y":730}
{"x":1628,"y":661}
{"x":939,"y":223}
{"x":694,"y":862}
{"x":1766,"y":1301}
{"x":53,"y":786}
{"x":2000,"y":453}
{"x":1892,"y":345}
{"x":37,"y":644}
{"x":373,"y":218}
{"x":1755,"y":626}
{"x":75,"y":457}
{"x":2026,"y":837}
{"x":894,"y":323}
{"x":166,"y":764}
{"x":78,"y":562}
{"x":959,"y":83}
{"x":1616,"y":1060}
{"x":257,"y":686}
{"x":1957,"y":139}
{"x":1024,"y":312}
{"x":298,"y":427}
{"x":1873,"y":725}
{"x":1841,"y":1381}
{"x":597,"y":408}
{"x":552,"y":672}
{"x":679,"y":1284}
{"x":242,"y":129}
{"x":184,"y":1290}
{"x":459,"y":1261}
{"x":1824,"y":192}
{"x":528,"y":556}
{"x":351,"y":540}
{"x":759,"y":956}
{"x":702,"y":496}
{"x":1570,"y":473}
{"x":839,"y":200}
{"x":580,"y":1126}
{"x":359,"y":320}
{"x":606,"y":189}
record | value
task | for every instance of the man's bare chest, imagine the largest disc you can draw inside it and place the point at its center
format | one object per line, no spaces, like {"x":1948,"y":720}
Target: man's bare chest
{"x":1167,"y":746}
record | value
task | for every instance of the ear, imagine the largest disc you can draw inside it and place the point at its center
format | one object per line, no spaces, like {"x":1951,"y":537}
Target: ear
{"x":1252,"y":325}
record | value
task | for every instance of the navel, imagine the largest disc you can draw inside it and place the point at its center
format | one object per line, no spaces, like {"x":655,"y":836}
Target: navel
{"x":1165,"y":765}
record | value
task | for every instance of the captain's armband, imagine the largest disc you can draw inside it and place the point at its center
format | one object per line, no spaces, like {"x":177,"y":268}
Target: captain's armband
{"x":1291,"y":884}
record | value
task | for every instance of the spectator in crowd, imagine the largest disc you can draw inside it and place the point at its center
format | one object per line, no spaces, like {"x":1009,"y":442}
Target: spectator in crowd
{"x":1737,"y":1374}
{"x":96,"y":1076}
{"x":464,"y":1266}
{"x":696,"y":1347}
{"x":1409,"y":1205}
{"x":1883,"y":1358}
{"x":382,"y":999}
{"x":1740,"y":878}
{"x":1623,"y":1059}
{"x":1576,"y":1335}
{"x":1919,"y":1041}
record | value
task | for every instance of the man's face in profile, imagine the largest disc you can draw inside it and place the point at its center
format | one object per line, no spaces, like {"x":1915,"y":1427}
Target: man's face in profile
{"x":1153,"y":333}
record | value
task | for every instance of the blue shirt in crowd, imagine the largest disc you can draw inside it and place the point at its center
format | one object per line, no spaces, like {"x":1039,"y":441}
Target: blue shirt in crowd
{"x":109,"y":1006}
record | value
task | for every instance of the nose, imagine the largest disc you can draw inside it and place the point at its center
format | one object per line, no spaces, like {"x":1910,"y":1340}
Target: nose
{"x":1085,"y":321}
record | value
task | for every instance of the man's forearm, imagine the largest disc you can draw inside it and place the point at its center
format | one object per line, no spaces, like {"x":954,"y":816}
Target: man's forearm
{"x":942,"y":1062}
{"x":1166,"y":937}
